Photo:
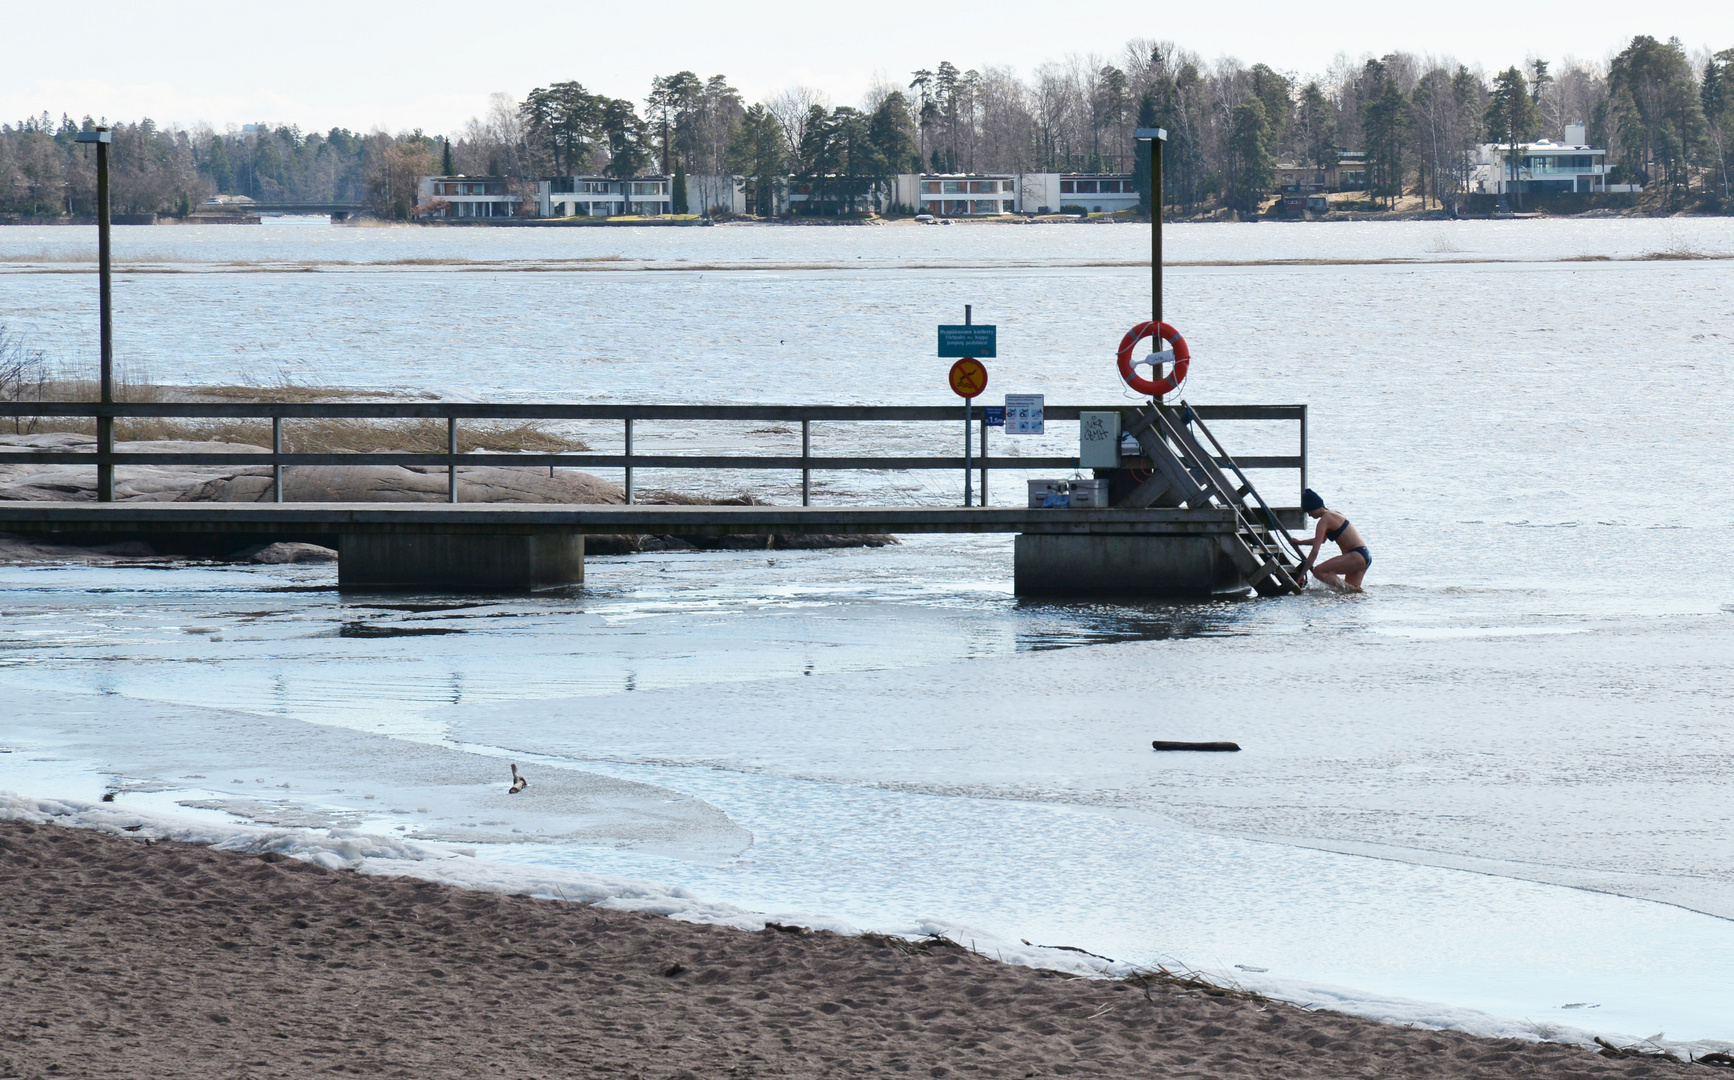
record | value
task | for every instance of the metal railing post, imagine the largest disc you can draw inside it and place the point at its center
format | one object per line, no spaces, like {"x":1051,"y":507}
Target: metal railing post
{"x":806,"y":456}
{"x":1303,"y":450}
{"x":984,"y":456}
{"x":968,"y":442}
{"x":276,"y":461}
{"x":629,"y":461}
{"x":452,"y":468}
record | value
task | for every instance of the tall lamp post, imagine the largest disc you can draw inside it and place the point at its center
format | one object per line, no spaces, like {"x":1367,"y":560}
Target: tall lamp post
{"x":102,"y":137}
{"x":1156,"y":136}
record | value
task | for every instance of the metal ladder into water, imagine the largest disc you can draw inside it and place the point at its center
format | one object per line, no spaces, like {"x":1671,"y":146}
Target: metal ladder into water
{"x":1185,"y":472}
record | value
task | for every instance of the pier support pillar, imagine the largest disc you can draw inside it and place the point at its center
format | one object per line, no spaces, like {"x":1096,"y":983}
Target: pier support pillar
{"x":1124,"y":564}
{"x":433,"y":560}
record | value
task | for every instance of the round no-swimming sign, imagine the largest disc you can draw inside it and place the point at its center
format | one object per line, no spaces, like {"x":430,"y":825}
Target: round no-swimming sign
{"x":968,"y":377}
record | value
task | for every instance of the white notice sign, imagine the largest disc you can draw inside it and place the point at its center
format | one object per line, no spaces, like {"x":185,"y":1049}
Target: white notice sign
{"x":1023,"y":414}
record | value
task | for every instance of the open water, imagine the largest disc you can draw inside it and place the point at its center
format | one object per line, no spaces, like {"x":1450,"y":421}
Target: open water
{"x":1529,"y":421}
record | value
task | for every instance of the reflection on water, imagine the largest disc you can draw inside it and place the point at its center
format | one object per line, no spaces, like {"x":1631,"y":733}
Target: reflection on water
{"x":202,"y":636}
{"x":1052,"y":624}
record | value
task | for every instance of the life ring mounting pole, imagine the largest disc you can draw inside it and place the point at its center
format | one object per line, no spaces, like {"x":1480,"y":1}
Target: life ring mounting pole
{"x":1157,"y":137}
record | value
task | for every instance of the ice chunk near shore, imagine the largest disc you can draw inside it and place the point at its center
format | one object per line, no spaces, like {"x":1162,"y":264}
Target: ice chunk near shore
{"x":370,"y":853}
{"x":341,"y":779}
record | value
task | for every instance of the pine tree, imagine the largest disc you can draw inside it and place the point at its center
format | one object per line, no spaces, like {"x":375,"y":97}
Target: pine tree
{"x":1656,"y":103}
{"x":1512,"y":119}
{"x":757,"y":153}
{"x":1318,"y":122}
{"x":1250,"y":168}
{"x":1716,"y":92}
{"x":1385,"y":125}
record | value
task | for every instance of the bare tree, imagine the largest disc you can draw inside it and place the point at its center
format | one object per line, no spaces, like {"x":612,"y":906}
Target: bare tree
{"x":494,"y":144}
{"x":1576,"y":94}
{"x":1055,"y":104}
{"x":792,"y":108}
{"x":1007,"y":128}
{"x":877,"y":91}
{"x":394,"y":170}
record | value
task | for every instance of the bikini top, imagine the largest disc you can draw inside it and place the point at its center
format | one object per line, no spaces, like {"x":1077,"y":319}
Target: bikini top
{"x":1338,"y":531}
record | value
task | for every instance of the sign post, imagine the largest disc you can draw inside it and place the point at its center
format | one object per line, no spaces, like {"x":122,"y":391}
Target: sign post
{"x":968,"y":378}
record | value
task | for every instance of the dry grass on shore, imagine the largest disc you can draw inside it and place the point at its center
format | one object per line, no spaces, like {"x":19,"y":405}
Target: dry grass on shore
{"x":339,"y":436}
{"x":665,"y":497}
{"x":300,"y":436}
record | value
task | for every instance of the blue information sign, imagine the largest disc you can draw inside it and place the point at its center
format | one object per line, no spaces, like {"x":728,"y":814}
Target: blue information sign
{"x":993,"y":415}
{"x":977,"y":341}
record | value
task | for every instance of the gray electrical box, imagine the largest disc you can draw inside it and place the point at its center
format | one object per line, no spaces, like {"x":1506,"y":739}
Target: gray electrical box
{"x":1099,"y":440}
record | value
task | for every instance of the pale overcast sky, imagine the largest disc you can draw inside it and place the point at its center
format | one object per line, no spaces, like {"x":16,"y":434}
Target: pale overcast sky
{"x":433,"y":64}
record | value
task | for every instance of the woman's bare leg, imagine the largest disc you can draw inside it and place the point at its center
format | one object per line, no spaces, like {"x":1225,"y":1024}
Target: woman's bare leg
{"x":1351,"y":568}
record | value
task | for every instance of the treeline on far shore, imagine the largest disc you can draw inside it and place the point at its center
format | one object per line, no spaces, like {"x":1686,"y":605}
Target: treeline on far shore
{"x":1664,"y":116}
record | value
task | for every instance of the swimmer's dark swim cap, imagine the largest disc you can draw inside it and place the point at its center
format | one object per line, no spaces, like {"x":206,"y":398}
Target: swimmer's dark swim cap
{"x":1310,"y":500}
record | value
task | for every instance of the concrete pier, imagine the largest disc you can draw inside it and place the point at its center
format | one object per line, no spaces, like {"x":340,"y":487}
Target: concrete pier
{"x":1109,"y":564}
{"x":512,"y":546}
{"x":460,"y":561}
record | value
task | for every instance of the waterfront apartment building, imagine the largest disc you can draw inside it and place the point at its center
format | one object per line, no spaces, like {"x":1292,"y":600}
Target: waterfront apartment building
{"x":958,"y":195}
{"x":940,"y":194}
{"x":943,"y":195}
{"x":467,"y":197}
{"x":1095,"y":192}
{"x":954,"y":195}
{"x":982,"y":195}
{"x":1544,"y":166}
{"x":603,"y":196}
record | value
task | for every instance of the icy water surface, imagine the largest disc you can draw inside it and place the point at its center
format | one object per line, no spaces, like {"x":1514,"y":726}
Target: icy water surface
{"x":1529,"y":421}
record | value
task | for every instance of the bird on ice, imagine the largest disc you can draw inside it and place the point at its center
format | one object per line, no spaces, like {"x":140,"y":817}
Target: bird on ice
{"x":518,"y":782}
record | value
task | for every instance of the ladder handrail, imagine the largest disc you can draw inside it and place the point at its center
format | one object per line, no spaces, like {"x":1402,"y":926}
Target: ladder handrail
{"x":1269,"y":514}
{"x":1194,"y":458}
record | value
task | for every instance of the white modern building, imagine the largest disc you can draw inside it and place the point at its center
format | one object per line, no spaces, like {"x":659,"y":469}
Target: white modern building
{"x":1542,"y":167}
{"x":602,"y":196}
{"x":958,"y":195}
{"x":1098,"y":193}
{"x":467,"y":197}
{"x":948,"y":195}
{"x":939,"y":194}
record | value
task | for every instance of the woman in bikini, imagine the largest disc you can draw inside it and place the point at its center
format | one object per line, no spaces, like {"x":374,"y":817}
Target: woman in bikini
{"x":1351,"y":565}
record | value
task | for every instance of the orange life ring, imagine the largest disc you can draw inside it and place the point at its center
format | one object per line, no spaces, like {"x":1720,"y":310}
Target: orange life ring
{"x":1182,"y":358}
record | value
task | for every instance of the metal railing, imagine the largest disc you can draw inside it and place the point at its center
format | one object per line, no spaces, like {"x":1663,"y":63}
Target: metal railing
{"x":455,"y":412}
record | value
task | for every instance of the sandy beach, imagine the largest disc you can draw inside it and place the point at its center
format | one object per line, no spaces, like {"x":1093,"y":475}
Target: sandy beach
{"x":128,"y":958}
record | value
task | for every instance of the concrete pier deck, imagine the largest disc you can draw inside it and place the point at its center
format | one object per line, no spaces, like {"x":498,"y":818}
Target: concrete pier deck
{"x":495,"y":545}
{"x":283,"y":521}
